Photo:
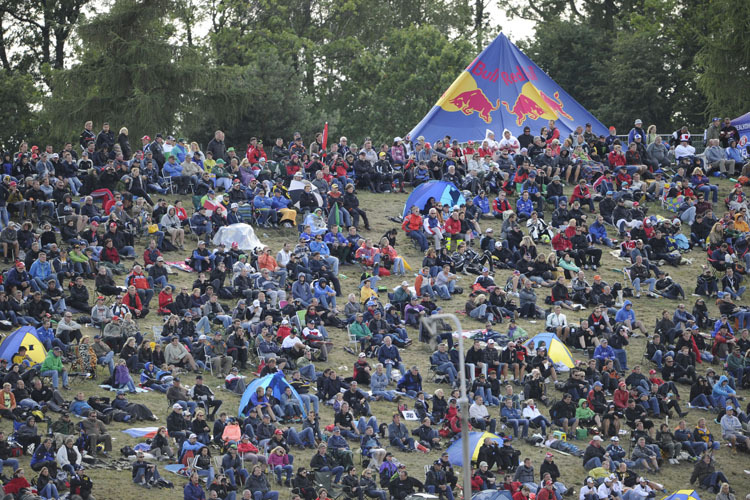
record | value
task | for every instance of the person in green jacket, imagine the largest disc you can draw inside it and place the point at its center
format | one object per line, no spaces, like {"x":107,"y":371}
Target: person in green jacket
{"x":362,"y":333}
{"x":52,"y":366}
{"x":586,"y":415}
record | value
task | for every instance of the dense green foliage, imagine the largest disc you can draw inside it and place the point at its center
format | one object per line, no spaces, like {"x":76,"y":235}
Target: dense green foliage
{"x":268,"y":67}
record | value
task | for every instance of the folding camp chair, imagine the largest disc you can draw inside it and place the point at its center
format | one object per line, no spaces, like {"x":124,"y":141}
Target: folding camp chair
{"x":325,"y":480}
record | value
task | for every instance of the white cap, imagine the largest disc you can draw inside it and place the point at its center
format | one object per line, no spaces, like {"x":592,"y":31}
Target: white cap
{"x":202,"y":337}
{"x":597,"y":438}
{"x":362,"y":355}
{"x":284,"y":321}
{"x":256,"y":303}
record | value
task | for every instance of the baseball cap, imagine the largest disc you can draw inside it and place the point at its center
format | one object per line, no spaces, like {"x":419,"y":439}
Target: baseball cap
{"x":176,"y":406}
{"x":597,"y":438}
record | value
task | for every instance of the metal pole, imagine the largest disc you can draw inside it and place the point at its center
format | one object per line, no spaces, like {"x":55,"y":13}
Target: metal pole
{"x":463,"y":401}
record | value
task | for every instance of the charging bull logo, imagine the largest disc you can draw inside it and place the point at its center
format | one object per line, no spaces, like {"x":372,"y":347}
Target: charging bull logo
{"x":475,"y":100}
{"x":534,"y":104}
{"x":465,"y":96}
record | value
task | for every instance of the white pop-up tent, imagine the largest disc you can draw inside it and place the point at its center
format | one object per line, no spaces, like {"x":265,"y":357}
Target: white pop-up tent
{"x":242,"y":234}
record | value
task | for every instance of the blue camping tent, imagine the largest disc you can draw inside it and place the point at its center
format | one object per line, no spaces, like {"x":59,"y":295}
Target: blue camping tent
{"x":444,"y":192}
{"x":502,"y":89}
{"x":26,"y":337}
{"x":743,"y":127}
{"x":277,"y":382}
{"x":557,"y":351}
{"x":476,"y":439}
{"x":492,"y":495}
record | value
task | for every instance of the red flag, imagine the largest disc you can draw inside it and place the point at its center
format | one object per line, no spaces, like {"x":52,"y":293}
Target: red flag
{"x":325,"y":137}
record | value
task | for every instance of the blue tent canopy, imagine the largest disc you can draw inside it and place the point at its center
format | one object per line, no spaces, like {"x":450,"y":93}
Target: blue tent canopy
{"x":26,"y":337}
{"x":277,"y":382}
{"x":443,"y":192}
{"x":502,"y":89}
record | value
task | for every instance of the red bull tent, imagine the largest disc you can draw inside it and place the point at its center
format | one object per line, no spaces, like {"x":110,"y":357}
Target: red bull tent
{"x":502,"y":89}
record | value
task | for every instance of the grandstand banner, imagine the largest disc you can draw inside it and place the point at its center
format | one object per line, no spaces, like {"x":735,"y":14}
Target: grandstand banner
{"x":502,"y":89}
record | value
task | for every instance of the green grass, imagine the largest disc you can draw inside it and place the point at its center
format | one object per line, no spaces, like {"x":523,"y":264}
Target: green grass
{"x":117,"y":484}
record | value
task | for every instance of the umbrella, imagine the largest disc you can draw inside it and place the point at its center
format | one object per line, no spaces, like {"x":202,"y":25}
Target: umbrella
{"x":443,"y":192}
{"x":476,"y":439}
{"x":558,"y":352}
{"x":295,"y":190}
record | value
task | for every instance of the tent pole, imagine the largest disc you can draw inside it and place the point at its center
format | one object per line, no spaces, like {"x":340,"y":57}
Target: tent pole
{"x":463,"y":401}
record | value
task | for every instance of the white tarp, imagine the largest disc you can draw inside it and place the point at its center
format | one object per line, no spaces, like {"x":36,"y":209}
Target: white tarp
{"x":242,"y":234}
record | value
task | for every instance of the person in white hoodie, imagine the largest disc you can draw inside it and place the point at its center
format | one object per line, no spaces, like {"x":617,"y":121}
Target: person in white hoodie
{"x":588,"y":491}
{"x":68,"y":457}
{"x":641,"y":491}
{"x":509,"y":143}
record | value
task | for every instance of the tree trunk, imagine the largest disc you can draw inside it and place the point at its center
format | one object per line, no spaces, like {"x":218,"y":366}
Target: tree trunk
{"x":478,"y":21}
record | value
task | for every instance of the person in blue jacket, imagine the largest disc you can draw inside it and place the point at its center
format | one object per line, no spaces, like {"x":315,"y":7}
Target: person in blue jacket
{"x":514,"y":418}
{"x":301,"y":290}
{"x":193,"y":489}
{"x":41,"y":273}
{"x":598,"y":232}
{"x":46,"y":336}
{"x":421,"y":174}
{"x":18,"y":278}
{"x":604,"y":353}
{"x":626,"y":316}
{"x":483,"y":203}
{"x":173,"y":170}
{"x":325,"y":294}
{"x":200,"y":223}
{"x":734,"y":152}
{"x":264,"y":204}
{"x":723,"y":393}
{"x":411,"y":382}
{"x":524,"y":206}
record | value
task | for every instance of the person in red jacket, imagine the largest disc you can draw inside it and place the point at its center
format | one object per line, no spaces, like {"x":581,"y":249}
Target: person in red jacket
{"x":582,"y":193}
{"x":561,"y":243}
{"x":142,"y":285}
{"x":16,"y":484}
{"x":453,"y":230}
{"x":522,"y":494}
{"x":255,"y":151}
{"x":621,"y":396}
{"x":151,"y":253}
{"x":412,"y":226}
{"x":166,"y":301}
{"x":109,"y":253}
{"x":133,"y":301}
{"x":500,"y":205}
{"x":616,"y":157}
{"x":547,"y":492}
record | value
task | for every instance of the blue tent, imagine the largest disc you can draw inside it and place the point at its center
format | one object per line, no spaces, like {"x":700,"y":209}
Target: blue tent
{"x":444,"y":192}
{"x":26,"y":337}
{"x":743,"y":127}
{"x":502,"y":89}
{"x":492,"y":495}
{"x":277,"y":382}
{"x":476,"y":439}
{"x":557,"y":351}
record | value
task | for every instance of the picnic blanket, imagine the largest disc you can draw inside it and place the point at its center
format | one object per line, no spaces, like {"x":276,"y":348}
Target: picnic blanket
{"x":141,"y":432}
{"x":181,"y":266}
{"x":110,"y":388}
